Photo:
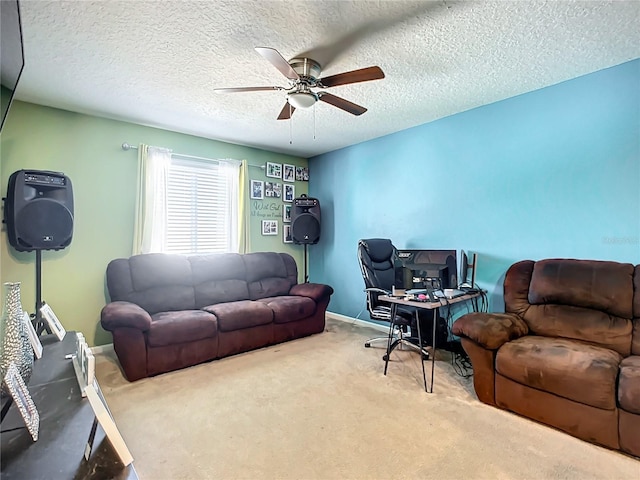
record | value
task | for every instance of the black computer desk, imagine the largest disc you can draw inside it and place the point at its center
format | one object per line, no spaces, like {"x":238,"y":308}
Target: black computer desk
{"x":396,"y":301}
{"x":66,"y":420}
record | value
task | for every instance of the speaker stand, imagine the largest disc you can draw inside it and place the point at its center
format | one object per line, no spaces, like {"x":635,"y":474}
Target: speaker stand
{"x":306,"y":277}
{"x":36,"y":318}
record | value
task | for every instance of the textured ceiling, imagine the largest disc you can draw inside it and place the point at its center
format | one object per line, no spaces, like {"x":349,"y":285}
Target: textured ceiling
{"x":157,"y":63}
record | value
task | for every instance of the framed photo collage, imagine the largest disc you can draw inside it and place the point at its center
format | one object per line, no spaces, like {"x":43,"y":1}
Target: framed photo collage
{"x":273,"y":189}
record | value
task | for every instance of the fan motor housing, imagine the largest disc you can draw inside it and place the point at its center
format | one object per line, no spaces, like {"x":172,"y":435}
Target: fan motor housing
{"x":306,"y":67}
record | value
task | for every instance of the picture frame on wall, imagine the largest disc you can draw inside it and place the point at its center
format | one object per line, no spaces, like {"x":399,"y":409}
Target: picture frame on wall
{"x":269,"y":227}
{"x":274,"y":170}
{"x":302,"y":174}
{"x":289,"y":173}
{"x":289,"y":193}
{"x":20,"y":394}
{"x":257,"y":190}
{"x":286,"y":234}
{"x":286,"y":214}
{"x":272,"y":190}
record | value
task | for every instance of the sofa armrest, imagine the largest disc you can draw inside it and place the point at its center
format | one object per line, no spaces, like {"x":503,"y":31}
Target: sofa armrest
{"x":490,"y":330}
{"x":315,"y":291}
{"x":124,"y":314}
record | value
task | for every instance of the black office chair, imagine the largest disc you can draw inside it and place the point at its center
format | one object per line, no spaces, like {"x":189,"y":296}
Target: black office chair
{"x":376,"y":257}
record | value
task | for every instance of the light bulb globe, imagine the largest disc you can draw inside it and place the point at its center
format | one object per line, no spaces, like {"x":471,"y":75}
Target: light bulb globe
{"x":302,"y":99}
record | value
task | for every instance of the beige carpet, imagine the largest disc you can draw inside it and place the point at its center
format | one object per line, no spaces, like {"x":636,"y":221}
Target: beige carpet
{"x":320,"y":408}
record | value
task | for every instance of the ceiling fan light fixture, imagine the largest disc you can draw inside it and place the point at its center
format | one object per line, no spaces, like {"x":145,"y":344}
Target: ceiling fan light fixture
{"x":302,"y":99}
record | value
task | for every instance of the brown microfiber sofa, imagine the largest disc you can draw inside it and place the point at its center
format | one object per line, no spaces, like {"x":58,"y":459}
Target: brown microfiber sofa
{"x":172,"y":311}
{"x":567,"y":351}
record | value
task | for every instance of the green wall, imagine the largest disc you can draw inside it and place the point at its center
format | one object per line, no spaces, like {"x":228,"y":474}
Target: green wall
{"x":88,"y":150}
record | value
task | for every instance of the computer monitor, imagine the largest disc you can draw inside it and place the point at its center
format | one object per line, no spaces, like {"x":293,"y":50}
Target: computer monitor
{"x":435,"y":269}
{"x":467,"y":276}
{"x":474,"y":269}
{"x":464,"y":268}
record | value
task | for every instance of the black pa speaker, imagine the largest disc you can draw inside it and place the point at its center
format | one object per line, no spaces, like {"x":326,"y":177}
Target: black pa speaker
{"x":305,"y":220}
{"x":38,"y":210}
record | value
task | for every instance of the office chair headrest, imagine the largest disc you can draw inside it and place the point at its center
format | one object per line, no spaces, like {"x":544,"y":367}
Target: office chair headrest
{"x":379,"y":249}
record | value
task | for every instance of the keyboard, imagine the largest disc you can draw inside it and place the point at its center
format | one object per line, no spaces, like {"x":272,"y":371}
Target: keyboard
{"x":454,"y":293}
{"x":416,"y":291}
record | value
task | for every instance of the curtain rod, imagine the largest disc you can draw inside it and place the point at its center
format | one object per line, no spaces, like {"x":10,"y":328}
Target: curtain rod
{"x":128,"y":146}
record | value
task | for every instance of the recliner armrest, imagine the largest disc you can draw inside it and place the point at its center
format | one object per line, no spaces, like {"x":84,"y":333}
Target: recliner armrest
{"x":315,"y":291}
{"x":124,"y":314}
{"x":490,"y":330}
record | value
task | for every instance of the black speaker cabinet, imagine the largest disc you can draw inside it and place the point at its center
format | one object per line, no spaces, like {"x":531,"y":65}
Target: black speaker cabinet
{"x":305,"y":220}
{"x":38,"y":210}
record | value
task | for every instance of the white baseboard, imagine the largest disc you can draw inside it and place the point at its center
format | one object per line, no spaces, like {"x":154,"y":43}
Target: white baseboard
{"x":357,"y":321}
{"x":102,"y":349}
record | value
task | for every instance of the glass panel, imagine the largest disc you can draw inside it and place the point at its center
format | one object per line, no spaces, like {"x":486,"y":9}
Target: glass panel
{"x":201,"y":207}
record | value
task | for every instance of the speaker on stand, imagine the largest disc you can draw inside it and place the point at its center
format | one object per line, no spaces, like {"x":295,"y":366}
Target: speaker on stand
{"x":38,"y":212}
{"x":305,"y":224}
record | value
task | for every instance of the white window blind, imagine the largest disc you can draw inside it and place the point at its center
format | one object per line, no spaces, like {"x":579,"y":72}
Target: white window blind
{"x":202,"y":206}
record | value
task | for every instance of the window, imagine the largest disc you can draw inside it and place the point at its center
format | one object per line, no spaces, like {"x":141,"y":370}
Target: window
{"x":202,"y":206}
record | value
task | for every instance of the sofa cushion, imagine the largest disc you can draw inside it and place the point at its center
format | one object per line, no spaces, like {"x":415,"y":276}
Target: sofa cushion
{"x":158,"y":282}
{"x":161,"y":282}
{"x":168,"y":328}
{"x":629,"y":384}
{"x":269,"y":274}
{"x":605,"y":286}
{"x":242,"y":314}
{"x":584,"y":300}
{"x":212,"y":292}
{"x":578,"y":323}
{"x":219,"y":278}
{"x":269,"y":287}
{"x":567,"y":368}
{"x":290,"y":308}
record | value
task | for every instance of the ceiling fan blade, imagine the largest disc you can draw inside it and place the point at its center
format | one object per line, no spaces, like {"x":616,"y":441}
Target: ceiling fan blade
{"x":354,"y":76}
{"x":286,"y":112}
{"x":245,"y":89}
{"x":341,"y":103}
{"x":278,"y":61}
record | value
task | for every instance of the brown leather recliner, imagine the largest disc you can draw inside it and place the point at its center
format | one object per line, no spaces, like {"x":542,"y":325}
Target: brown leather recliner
{"x":566,"y":352}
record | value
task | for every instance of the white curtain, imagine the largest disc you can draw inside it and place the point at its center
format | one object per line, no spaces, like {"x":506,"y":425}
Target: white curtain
{"x":151,"y":202}
{"x":243,"y":210}
{"x":231,"y":172}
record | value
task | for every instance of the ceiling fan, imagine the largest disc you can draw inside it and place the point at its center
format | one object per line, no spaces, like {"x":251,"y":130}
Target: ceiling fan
{"x":303,"y":75}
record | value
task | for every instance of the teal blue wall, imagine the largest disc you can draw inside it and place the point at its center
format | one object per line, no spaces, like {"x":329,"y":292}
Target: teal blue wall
{"x":551,"y":173}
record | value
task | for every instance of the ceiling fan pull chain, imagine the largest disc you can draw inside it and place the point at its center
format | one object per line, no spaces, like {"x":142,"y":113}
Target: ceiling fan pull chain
{"x":290,"y":127}
{"x":314,"y":121}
